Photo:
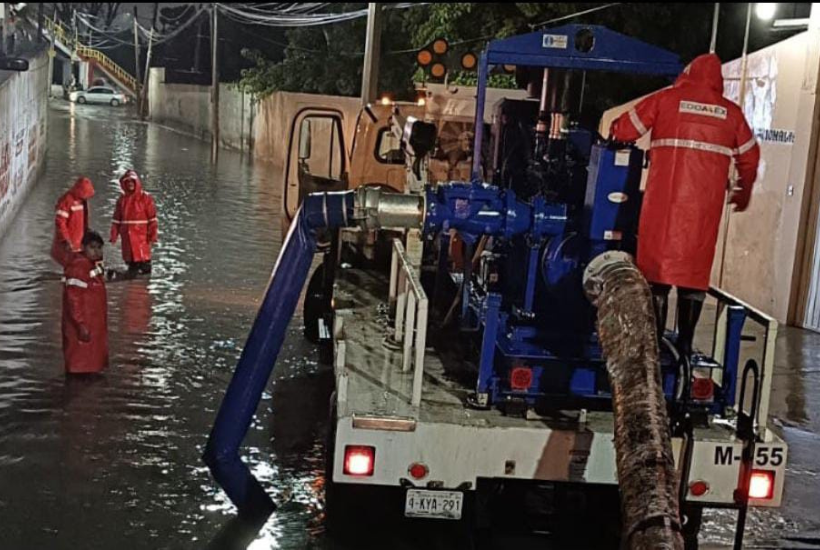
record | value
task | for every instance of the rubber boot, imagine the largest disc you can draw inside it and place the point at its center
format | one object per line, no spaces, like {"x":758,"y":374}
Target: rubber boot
{"x":688,"y":316}
{"x":660,"y":302}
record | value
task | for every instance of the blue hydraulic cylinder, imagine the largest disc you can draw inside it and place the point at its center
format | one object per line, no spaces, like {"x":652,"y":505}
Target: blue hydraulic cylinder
{"x":325,"y":210}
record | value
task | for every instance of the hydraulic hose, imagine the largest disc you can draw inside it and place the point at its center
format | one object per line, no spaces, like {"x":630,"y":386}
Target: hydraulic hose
{"x":646,"y":467}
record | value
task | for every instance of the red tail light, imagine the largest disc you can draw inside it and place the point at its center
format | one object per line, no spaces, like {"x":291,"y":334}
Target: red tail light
{"x":703,"y":389}
{"x":698,"y":488}
{"x":359,"y":460}
{"x":418,"y":470}
{"x":761,"y":484}
{"x":521,"y":378}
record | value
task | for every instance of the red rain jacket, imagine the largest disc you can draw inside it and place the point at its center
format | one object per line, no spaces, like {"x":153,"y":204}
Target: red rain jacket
{"x":71,"y":220}
{"x":84,"y":305}
{"x":696,"y":133}
{"x":135,"y":218}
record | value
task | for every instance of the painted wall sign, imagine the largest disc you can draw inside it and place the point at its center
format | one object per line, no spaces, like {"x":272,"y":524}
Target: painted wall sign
{"x":774,"y":136}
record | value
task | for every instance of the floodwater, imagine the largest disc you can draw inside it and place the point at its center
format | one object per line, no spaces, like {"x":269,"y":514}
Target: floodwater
{"x":115,"y":461}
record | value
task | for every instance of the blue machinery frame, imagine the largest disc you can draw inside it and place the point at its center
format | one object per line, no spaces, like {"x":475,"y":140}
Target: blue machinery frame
{"x":556,"y":49}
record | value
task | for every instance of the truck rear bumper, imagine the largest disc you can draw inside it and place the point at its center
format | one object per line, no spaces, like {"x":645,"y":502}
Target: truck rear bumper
{"x":457,"y":456}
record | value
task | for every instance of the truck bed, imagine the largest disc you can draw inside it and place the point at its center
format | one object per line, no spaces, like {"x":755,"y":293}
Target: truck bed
{"x":372,"y":386}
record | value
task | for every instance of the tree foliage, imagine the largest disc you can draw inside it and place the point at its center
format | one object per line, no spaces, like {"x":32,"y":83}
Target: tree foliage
{"x":329,"y":59}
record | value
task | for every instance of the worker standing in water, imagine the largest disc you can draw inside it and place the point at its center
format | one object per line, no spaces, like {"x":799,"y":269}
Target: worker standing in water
{"x":71,"y":220}
{"x":696,"y":133}
{"x":135,"y":219}
{"x":85,"y":309}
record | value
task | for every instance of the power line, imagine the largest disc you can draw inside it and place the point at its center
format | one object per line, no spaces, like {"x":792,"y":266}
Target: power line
{"x":285,"y":19}
{"x":574,"y":15}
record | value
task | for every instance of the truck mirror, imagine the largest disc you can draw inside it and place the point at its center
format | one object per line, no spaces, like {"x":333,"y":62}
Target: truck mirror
{"x":419,"y":136}
{"x":13,"y":64}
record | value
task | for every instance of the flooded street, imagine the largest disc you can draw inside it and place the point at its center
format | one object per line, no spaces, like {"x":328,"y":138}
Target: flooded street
{"x":115,"y":461}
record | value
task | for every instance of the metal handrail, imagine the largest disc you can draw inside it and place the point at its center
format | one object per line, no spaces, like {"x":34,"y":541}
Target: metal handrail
{"x":769,"y":325}
{"x":63,"y":34}
{"x":410,"y":327}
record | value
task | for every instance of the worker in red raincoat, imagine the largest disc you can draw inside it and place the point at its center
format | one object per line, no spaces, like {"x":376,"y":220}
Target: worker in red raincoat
{"x":71,"y":220}
{"x":135,"y":218}
{"x":696,"y":133}
{"x":85,"y":309}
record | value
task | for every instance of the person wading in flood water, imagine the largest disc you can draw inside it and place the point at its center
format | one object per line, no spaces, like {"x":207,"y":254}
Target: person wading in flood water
{"x":85,"y":309}
{"x":135,"y":219}
{"x":71,"y":220}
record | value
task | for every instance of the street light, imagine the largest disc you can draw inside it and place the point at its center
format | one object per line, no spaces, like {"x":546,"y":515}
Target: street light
{"x":765,"y":10}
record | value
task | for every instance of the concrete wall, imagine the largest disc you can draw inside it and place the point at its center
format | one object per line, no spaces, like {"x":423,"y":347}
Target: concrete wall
{"x":23,"y":131}
{"x":261,"y":127}
{"x":761,"y":243}
{"x":187,"y":107}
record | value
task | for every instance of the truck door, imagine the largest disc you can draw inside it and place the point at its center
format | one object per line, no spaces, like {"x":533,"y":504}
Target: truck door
{"x":316,"y":156}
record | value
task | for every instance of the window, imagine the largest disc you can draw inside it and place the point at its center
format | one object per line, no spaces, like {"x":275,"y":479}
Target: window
{"x":388,"y":148}
{"x":320,"y":153}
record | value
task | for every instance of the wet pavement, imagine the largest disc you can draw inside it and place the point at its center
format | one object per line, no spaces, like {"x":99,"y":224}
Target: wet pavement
{"x":115,"y":461}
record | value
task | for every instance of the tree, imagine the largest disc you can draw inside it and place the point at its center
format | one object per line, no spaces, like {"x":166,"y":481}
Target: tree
{"x":328,"y":59}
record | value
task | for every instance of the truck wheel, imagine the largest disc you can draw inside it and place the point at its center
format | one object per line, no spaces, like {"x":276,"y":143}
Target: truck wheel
{"x":693,"y":517}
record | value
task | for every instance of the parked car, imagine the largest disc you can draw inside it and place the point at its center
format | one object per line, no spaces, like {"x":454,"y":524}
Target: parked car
{"x":98,"y":94}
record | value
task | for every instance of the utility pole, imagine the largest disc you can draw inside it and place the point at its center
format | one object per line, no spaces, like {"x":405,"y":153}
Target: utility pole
{"x":198,"y":45}
{"x":715,"y":17}
{"x":40,"y":14}
{"x":51,"y":54}
{"x":143,"y":103}
{"x":372,"y":51}
{"x":4,"y":12}
{"x":214,"y":84}
{"x":137,"y":59}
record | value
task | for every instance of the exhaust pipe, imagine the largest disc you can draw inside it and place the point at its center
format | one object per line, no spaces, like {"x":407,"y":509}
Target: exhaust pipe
{"x":646,"y":466}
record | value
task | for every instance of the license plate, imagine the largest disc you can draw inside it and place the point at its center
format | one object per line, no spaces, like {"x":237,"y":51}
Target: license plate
{"x":433,"y":504}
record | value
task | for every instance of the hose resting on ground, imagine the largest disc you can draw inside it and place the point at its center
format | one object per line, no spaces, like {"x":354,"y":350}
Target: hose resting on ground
{"x":646,"y":467}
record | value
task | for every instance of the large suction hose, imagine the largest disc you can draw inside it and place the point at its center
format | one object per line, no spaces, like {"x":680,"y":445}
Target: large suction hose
{"x":370,"y":208}
{"x":646,"y":467}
